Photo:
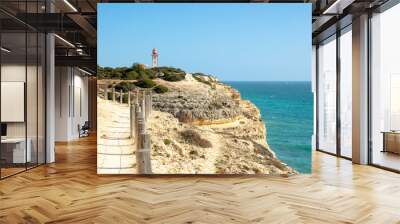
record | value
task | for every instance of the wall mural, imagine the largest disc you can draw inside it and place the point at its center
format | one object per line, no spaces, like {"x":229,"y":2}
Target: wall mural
{"x":193,"y":89}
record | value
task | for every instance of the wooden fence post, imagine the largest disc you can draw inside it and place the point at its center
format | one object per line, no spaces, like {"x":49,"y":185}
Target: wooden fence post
{"x":150,"y":101}
{"x":147,"y":105}
{"x":143,"y":159}
{"x":129,"y":98}
{"x":113,"y":94}
{"x":143,"y":105}
{"x":105,"y":92}
{"x":136,"y":97}
{"x":120,"y":97}
{"x":136,"y":124}
{"x":132,"y":120}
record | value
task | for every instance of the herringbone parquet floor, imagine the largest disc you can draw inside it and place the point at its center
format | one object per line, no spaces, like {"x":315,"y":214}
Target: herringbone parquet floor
{"x":70,"y":191}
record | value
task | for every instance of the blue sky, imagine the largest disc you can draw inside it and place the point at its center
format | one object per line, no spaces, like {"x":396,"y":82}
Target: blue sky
{"x":235,"y":42}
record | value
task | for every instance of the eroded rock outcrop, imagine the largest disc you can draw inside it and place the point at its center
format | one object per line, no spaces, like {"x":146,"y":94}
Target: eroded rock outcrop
{"x":191,"y":107}
{"x":216,"y":114}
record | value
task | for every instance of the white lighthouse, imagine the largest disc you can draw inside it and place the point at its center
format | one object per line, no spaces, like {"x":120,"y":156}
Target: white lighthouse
{"x":154,"y":57}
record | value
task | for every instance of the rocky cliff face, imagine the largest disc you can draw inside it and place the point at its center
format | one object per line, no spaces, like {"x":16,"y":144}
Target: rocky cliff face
{"x":197,"y":106}
{"x":205,"y":127}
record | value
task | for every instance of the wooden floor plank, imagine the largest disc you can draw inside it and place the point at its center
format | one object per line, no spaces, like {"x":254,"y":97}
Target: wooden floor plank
{"x":70,"y":191}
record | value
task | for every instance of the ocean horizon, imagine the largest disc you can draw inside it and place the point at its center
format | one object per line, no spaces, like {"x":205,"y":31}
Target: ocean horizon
{"x":286,"y":108}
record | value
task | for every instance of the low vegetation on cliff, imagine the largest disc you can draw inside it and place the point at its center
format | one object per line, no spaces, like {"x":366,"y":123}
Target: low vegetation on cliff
{"x":126,"y":78}
{"x":198,"y":124}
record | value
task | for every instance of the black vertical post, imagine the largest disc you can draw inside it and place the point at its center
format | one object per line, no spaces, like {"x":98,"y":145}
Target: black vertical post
{"x":338,"y":73}
{"x":37,"y":89}
{"x":26,"y":86}
{"x":317,"y":96}
{"x":45,"y":92}
{"x":369,"y":100}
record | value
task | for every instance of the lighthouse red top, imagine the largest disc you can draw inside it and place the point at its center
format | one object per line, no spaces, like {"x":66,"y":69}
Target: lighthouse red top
{"x":155,"y":52}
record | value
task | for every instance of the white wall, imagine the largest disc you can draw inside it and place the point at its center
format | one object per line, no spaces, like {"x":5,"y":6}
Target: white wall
{"x":71,"y":102}
{"x":10,"y":73}
{"x":80,"y":112}
{"x":13,"y":73}
{"x":62,"y":82}
{"x":33,"y":126}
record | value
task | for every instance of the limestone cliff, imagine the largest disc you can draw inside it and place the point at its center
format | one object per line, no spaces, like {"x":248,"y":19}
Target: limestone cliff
{"x":203,"y":126}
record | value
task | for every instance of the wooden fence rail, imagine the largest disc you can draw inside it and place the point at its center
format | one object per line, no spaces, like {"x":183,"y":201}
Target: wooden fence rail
{"x":140,"y":106}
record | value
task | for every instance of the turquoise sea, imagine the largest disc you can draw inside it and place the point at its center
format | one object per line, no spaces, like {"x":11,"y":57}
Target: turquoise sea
{"x":287,"y":110}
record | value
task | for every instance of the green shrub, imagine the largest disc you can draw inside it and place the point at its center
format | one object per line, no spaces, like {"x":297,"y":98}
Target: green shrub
{"x":192,"y":137}
{"x":151,"y":74}
{"x":132,"y":75}
{"x":139,"y":71}
{"x":124,"y":86}
{"x":167,"y":142}
{"x":170,"y":74}
{"x":173,"y":77}
{"x":160,"y":89}
{"x":116,"y":75}
{"x":168,"y":69}
{"x":193,"y":153}
{"x":142,"y":74}
{"x":145,"y":83}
